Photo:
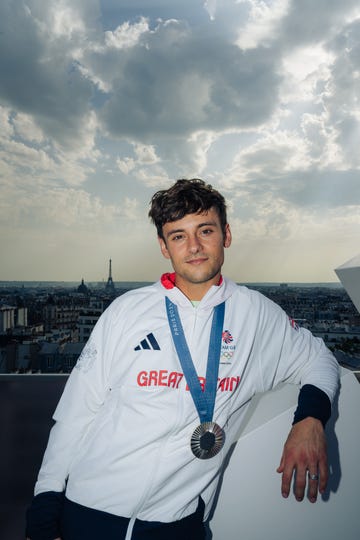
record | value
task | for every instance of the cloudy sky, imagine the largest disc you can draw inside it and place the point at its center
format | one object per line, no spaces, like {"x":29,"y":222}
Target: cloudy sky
{"x":104,"y":102}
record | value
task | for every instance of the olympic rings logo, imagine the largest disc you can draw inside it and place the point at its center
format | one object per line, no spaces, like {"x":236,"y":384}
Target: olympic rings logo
{"x":227,"y":354}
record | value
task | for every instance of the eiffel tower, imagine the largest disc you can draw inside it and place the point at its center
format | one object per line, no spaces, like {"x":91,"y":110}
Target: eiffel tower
{"x":110,"y":287}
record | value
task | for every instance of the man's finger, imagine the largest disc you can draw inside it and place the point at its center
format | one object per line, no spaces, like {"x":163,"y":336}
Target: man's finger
{"x":324,"y":474}
{"x":287,"y":476}
{"x":313,"y":484}
{"x":300,"y":483}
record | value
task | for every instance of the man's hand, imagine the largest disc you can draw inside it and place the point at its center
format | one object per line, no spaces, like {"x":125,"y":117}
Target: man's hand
{"x":305,"y":455}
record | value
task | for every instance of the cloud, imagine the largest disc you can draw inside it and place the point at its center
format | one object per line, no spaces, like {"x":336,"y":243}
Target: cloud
{"x":23,"y":164}
{"x":144,"y":155}
{"x":175,"y":81}
{"x":343,"y":101}
{"x":210,"y":6}
{"x":39,"y":77}
{"x":263,"y":23}
{"x":326,"y":189}
{"x":102,"y":103}
{"x":126,"y":35}
{"x":126,"y":165}
{"x":6,"y":127}
{"x":308,"y":22}
{"x":26,"y":128}
{"x":62,"y":208}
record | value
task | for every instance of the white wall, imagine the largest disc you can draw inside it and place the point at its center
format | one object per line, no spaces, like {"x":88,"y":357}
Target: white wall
{"x":250,"y":506}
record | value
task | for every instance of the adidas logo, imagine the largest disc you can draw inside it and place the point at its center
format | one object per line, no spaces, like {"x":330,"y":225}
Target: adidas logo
{"x":148,"y":343}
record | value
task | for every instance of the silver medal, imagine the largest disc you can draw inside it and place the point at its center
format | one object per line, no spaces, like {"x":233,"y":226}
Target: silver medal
{"x":207,"y":440}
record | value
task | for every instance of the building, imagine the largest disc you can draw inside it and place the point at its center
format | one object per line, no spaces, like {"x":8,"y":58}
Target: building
{"x":88,"y":317}
{"x":60,"y":317}
{"x":82,"y":288}
{"x":49,"y":361}
{"x":12,"y":317}
{"x":7,"y":319}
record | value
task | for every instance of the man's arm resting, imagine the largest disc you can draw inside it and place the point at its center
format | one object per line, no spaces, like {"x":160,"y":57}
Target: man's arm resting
{"x":305,"y":452}
{"x":43,"y":516}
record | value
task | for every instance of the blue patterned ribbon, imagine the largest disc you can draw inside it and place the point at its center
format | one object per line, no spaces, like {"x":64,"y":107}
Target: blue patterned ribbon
{"x":204,"y":400}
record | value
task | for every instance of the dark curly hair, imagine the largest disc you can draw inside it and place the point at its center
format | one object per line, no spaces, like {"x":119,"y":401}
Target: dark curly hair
{"x":185,"y":197}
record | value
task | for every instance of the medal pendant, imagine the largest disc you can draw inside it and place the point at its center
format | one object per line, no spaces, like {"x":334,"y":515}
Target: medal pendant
{"x":207,"y":440}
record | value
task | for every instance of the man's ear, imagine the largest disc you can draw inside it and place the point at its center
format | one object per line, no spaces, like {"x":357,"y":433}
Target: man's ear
{"x":163,"y":248}
{"x":227,"y":236}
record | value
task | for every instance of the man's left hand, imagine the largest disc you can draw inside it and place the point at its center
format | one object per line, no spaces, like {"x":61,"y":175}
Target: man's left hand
{"x":305,"y":455}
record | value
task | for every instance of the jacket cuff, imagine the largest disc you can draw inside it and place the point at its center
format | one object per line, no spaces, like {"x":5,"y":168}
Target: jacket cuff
{"x":312,"y":402}
{"x":43,"y":516}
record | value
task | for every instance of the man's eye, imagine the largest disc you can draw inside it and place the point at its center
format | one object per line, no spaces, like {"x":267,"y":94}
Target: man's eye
{"x":206,"y":231}
{"x":177,"y":237}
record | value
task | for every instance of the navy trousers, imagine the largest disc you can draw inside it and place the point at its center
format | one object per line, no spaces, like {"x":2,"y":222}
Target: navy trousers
{"x":81,"y":523}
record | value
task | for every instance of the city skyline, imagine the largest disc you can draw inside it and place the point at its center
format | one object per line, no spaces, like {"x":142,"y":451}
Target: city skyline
{"x":104,"y":102}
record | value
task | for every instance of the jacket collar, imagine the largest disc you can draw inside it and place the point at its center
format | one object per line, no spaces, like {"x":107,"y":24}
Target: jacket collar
{"x":214,"y":296}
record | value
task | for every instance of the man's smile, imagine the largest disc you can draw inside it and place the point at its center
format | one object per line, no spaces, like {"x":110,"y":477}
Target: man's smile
{"x":197,"y":261}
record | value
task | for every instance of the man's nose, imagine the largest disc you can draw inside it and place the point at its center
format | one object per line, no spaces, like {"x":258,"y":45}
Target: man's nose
{"x":194,"y":244}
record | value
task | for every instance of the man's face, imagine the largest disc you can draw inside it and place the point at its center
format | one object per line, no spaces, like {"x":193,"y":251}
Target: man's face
{"x":195,"y":245}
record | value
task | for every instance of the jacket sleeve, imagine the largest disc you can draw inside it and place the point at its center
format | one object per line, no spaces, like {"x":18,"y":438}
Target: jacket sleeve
{"x":83,"y":396}
{"x":312,"y":402}
{"x":289,"y":353}
{"x":43,"y":516}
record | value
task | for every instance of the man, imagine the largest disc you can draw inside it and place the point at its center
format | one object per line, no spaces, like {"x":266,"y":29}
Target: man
{"x":161,"y":389}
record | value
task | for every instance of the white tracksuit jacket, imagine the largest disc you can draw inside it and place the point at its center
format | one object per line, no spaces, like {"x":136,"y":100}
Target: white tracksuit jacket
{"x":124,"y":422}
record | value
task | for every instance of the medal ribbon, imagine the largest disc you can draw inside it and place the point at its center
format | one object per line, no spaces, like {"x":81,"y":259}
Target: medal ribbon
{"x":204,"y":400}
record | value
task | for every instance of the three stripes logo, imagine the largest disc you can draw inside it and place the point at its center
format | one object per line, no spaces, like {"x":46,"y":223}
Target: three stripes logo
{"x":149,"y":343}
